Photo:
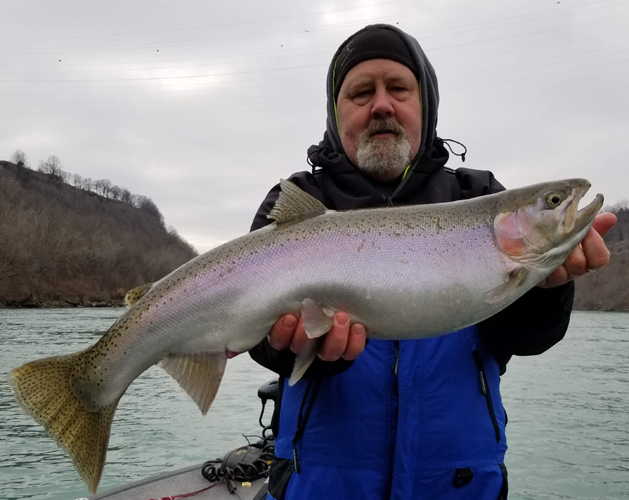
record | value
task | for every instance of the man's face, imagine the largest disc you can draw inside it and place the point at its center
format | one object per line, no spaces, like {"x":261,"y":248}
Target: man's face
{"x":379,"y":117}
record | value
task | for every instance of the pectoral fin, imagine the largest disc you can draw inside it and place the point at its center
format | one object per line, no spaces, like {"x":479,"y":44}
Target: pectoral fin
{"x":303,"y":361}
{"x":317,"y":318}
{"x":198,"y":374}
{"x":501,"y":292}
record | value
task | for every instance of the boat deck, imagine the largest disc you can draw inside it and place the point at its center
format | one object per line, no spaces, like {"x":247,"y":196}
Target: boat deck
{"x":176,"y":483}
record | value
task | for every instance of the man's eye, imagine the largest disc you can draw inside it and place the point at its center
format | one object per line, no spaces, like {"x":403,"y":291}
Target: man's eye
{"x":399,"y":89}
{"x":362,"y":93}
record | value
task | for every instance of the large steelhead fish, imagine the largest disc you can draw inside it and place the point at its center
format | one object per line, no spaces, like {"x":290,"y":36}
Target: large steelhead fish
{"x":405,"y":273}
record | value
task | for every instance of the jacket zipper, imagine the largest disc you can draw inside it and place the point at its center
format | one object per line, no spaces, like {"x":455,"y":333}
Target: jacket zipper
{"x":484,"y":390}
{"x":394,"y":368}
{"x":396,"y":360}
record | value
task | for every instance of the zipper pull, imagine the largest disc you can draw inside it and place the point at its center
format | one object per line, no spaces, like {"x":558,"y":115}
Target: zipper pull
{"x":483,"y":383}
{"x":295,"y":459}
{"x":396,"y":362}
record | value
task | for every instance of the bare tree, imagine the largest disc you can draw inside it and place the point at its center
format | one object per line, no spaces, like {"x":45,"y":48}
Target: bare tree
{"x":106,"y":187}
{"x":115,"y":193}
{"x":136,"y":200}
{"x":19,"y":158}
{"x":77,"y":181}
{"x":102,"y":187}
{"x":620,"y":205}
{"x":88,"y":184}
{"x":52,"y":166}
{"x":97,"y":186}
{"x":616,"y":207}
{"x":126,"y":197}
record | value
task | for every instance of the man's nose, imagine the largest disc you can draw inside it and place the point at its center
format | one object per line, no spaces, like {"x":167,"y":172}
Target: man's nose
{"x":382,"y":104}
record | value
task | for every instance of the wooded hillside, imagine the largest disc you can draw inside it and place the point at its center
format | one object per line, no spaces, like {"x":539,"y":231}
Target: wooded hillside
{"x":61,"y":245}
{"x":608,"y":289}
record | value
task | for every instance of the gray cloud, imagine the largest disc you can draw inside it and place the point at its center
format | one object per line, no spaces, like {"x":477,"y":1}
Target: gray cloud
{"x":204,"y":107}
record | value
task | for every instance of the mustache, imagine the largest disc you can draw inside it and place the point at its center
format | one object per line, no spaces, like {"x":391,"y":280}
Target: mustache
{"x":378,"y":125}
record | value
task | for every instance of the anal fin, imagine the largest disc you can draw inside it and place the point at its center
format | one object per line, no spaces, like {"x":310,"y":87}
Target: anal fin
{"x":199,"y":374}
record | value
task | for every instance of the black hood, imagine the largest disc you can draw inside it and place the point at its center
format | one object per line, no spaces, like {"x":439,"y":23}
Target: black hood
{"x":330,"y":156}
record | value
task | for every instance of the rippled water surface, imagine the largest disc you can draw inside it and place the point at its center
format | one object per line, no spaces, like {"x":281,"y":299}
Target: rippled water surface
{"x":568,"y":413}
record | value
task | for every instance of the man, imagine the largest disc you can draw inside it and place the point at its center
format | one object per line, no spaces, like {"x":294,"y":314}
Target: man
{"x":419,"y":419}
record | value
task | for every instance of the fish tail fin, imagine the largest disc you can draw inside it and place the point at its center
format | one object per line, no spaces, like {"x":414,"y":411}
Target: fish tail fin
{"x":43,"y":388}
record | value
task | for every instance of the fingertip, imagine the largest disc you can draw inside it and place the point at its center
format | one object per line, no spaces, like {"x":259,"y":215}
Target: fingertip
{"x":359,"y":330}
{"x":289,"y":321}
{"x":604,"y":222}
{"x":341,"y":319}
{"x":282,"y":332}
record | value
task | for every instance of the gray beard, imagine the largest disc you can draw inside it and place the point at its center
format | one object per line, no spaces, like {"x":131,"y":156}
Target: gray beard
{"x":383,"y":159}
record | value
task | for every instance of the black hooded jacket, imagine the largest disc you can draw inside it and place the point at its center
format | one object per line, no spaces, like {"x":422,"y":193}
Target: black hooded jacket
{"x":529,"y":326}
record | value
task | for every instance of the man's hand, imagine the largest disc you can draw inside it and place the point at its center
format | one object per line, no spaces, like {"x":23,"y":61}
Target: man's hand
{"x":591,"y":254}
{"x":343,"y":340}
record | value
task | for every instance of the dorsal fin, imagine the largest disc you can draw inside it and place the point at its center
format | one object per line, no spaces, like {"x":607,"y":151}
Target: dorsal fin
{"x":295,"y":204}
{"x":136,"y":294}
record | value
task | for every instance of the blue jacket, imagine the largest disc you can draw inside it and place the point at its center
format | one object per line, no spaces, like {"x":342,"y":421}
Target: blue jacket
{"x":435,"y":429}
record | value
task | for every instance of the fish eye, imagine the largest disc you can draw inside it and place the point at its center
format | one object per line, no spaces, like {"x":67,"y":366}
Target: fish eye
{"x":554,"y":200}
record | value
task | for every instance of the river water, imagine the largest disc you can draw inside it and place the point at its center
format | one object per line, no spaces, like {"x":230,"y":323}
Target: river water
{"x":568,"y":412}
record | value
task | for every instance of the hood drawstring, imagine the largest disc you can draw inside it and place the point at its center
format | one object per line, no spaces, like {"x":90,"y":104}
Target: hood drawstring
{"x":462,"y":155}
{"x":314,"y":168}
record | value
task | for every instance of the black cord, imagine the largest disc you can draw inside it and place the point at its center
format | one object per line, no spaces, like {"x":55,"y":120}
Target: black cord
{"x":462,"y":155}
{"x":303,"y":418}
{"x":212,"y":471}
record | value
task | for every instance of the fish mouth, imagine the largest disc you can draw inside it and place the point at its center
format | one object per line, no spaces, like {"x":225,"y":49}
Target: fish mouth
{"x":585,"y":216}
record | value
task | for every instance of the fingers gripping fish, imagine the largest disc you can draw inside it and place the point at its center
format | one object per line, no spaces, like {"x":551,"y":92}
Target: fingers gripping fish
{"x":404,"y":272}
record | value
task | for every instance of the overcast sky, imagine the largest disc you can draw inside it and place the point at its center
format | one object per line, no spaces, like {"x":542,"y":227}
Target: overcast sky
{"x":204,"y":106}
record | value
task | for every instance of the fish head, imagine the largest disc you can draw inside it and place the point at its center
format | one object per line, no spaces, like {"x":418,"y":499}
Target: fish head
{"x":540,"y":225}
